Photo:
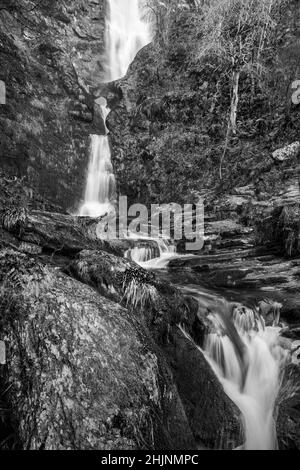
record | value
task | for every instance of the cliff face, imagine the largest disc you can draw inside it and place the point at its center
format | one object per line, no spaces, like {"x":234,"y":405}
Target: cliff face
{"x":50,"y":55}
{"x":169,"y":130}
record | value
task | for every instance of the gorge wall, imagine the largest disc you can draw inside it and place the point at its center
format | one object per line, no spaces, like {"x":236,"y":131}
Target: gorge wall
{"x":169,"y":130}
{"x":169,"y":118}
{"x":51,"y":64}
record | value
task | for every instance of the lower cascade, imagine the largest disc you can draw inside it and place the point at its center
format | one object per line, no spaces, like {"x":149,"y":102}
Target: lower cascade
{"x":251,"y":377}
{"x":147,"y":257}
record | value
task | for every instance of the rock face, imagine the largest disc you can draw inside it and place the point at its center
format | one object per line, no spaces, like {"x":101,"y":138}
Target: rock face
{"x":168,"y":131}
{"x":51,"y":65}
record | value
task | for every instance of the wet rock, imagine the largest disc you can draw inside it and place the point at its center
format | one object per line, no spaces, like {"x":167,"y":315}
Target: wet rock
{"x":110,"y":388}
{"x":226,"y":228}
{"x":56,"y":233}
{"x":214,"y":419}
{"x":159,"y":304}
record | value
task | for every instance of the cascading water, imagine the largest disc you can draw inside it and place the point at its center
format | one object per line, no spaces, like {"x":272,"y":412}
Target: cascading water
{"x":252,"y":383}
{"x":245,"y":355}
{"x":147,"y":257}
{"x":126,"y":33}
{"x":100,"y":185}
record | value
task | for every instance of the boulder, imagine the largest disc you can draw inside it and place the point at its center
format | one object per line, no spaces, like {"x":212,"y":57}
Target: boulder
{"x":157,"y":303}
{"x":53,"y":232}
{"x":287,"y":153}
{"x":81,"y":373}
{"x":213,"y":417}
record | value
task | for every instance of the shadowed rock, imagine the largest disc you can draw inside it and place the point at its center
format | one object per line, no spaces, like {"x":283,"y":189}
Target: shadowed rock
{"x":82,"y":373}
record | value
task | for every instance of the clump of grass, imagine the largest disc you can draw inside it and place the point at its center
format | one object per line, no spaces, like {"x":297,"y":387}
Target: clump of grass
{"x":139,"y":295}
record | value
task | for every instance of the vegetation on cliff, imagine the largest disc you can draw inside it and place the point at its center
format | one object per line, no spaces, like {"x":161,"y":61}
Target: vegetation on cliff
{"x":202,"y":95}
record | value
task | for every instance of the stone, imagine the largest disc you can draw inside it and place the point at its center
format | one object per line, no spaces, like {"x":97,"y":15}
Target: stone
{"x":110,"y":387}
{"x":287,"y":153}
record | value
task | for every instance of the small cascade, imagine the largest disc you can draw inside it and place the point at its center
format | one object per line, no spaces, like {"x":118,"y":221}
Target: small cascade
{"x":252,"y":382}
{"x":126,"y":33}
{"x":147,"y":256}
{"x":166,"y":246}
{"x":140,"y":254}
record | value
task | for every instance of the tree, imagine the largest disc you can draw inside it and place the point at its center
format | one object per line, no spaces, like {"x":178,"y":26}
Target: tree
{"x":236,"y":33}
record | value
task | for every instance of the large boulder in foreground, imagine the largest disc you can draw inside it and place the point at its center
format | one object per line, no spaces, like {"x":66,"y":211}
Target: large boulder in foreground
{"x":213,"y":418}
{"x":155,"y":303}
{"x":81,"y":373}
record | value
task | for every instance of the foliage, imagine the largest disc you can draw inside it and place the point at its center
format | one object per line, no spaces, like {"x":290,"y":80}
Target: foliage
{"x":161,"y":12}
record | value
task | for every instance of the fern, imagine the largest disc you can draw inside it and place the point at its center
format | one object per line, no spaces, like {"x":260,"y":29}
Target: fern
{"x":14,"y":218}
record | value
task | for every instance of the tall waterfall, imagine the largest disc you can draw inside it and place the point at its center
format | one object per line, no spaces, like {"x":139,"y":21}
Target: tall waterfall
{"x":126,"y":33}
{"x":252,"y":384}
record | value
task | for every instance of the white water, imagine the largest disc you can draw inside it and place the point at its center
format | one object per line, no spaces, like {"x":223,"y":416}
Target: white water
{"x":139,"y":255}
{"x":253,"y":386}
{"x":100,"y":185}
{"x":126,"y":33}
{"x":144,"y":255}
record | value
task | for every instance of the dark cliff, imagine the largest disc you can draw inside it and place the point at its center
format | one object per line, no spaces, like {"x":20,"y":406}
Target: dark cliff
{"x":51,"y":64}
{"x":169,"y":130}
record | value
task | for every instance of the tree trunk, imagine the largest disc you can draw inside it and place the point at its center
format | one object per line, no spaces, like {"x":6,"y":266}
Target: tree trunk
{"x":234,"y":100}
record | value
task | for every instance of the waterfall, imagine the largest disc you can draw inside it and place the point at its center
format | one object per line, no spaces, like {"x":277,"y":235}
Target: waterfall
{"x":126,"y":33}
{"x":253,"y":384}
{"x":100,"y":185}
